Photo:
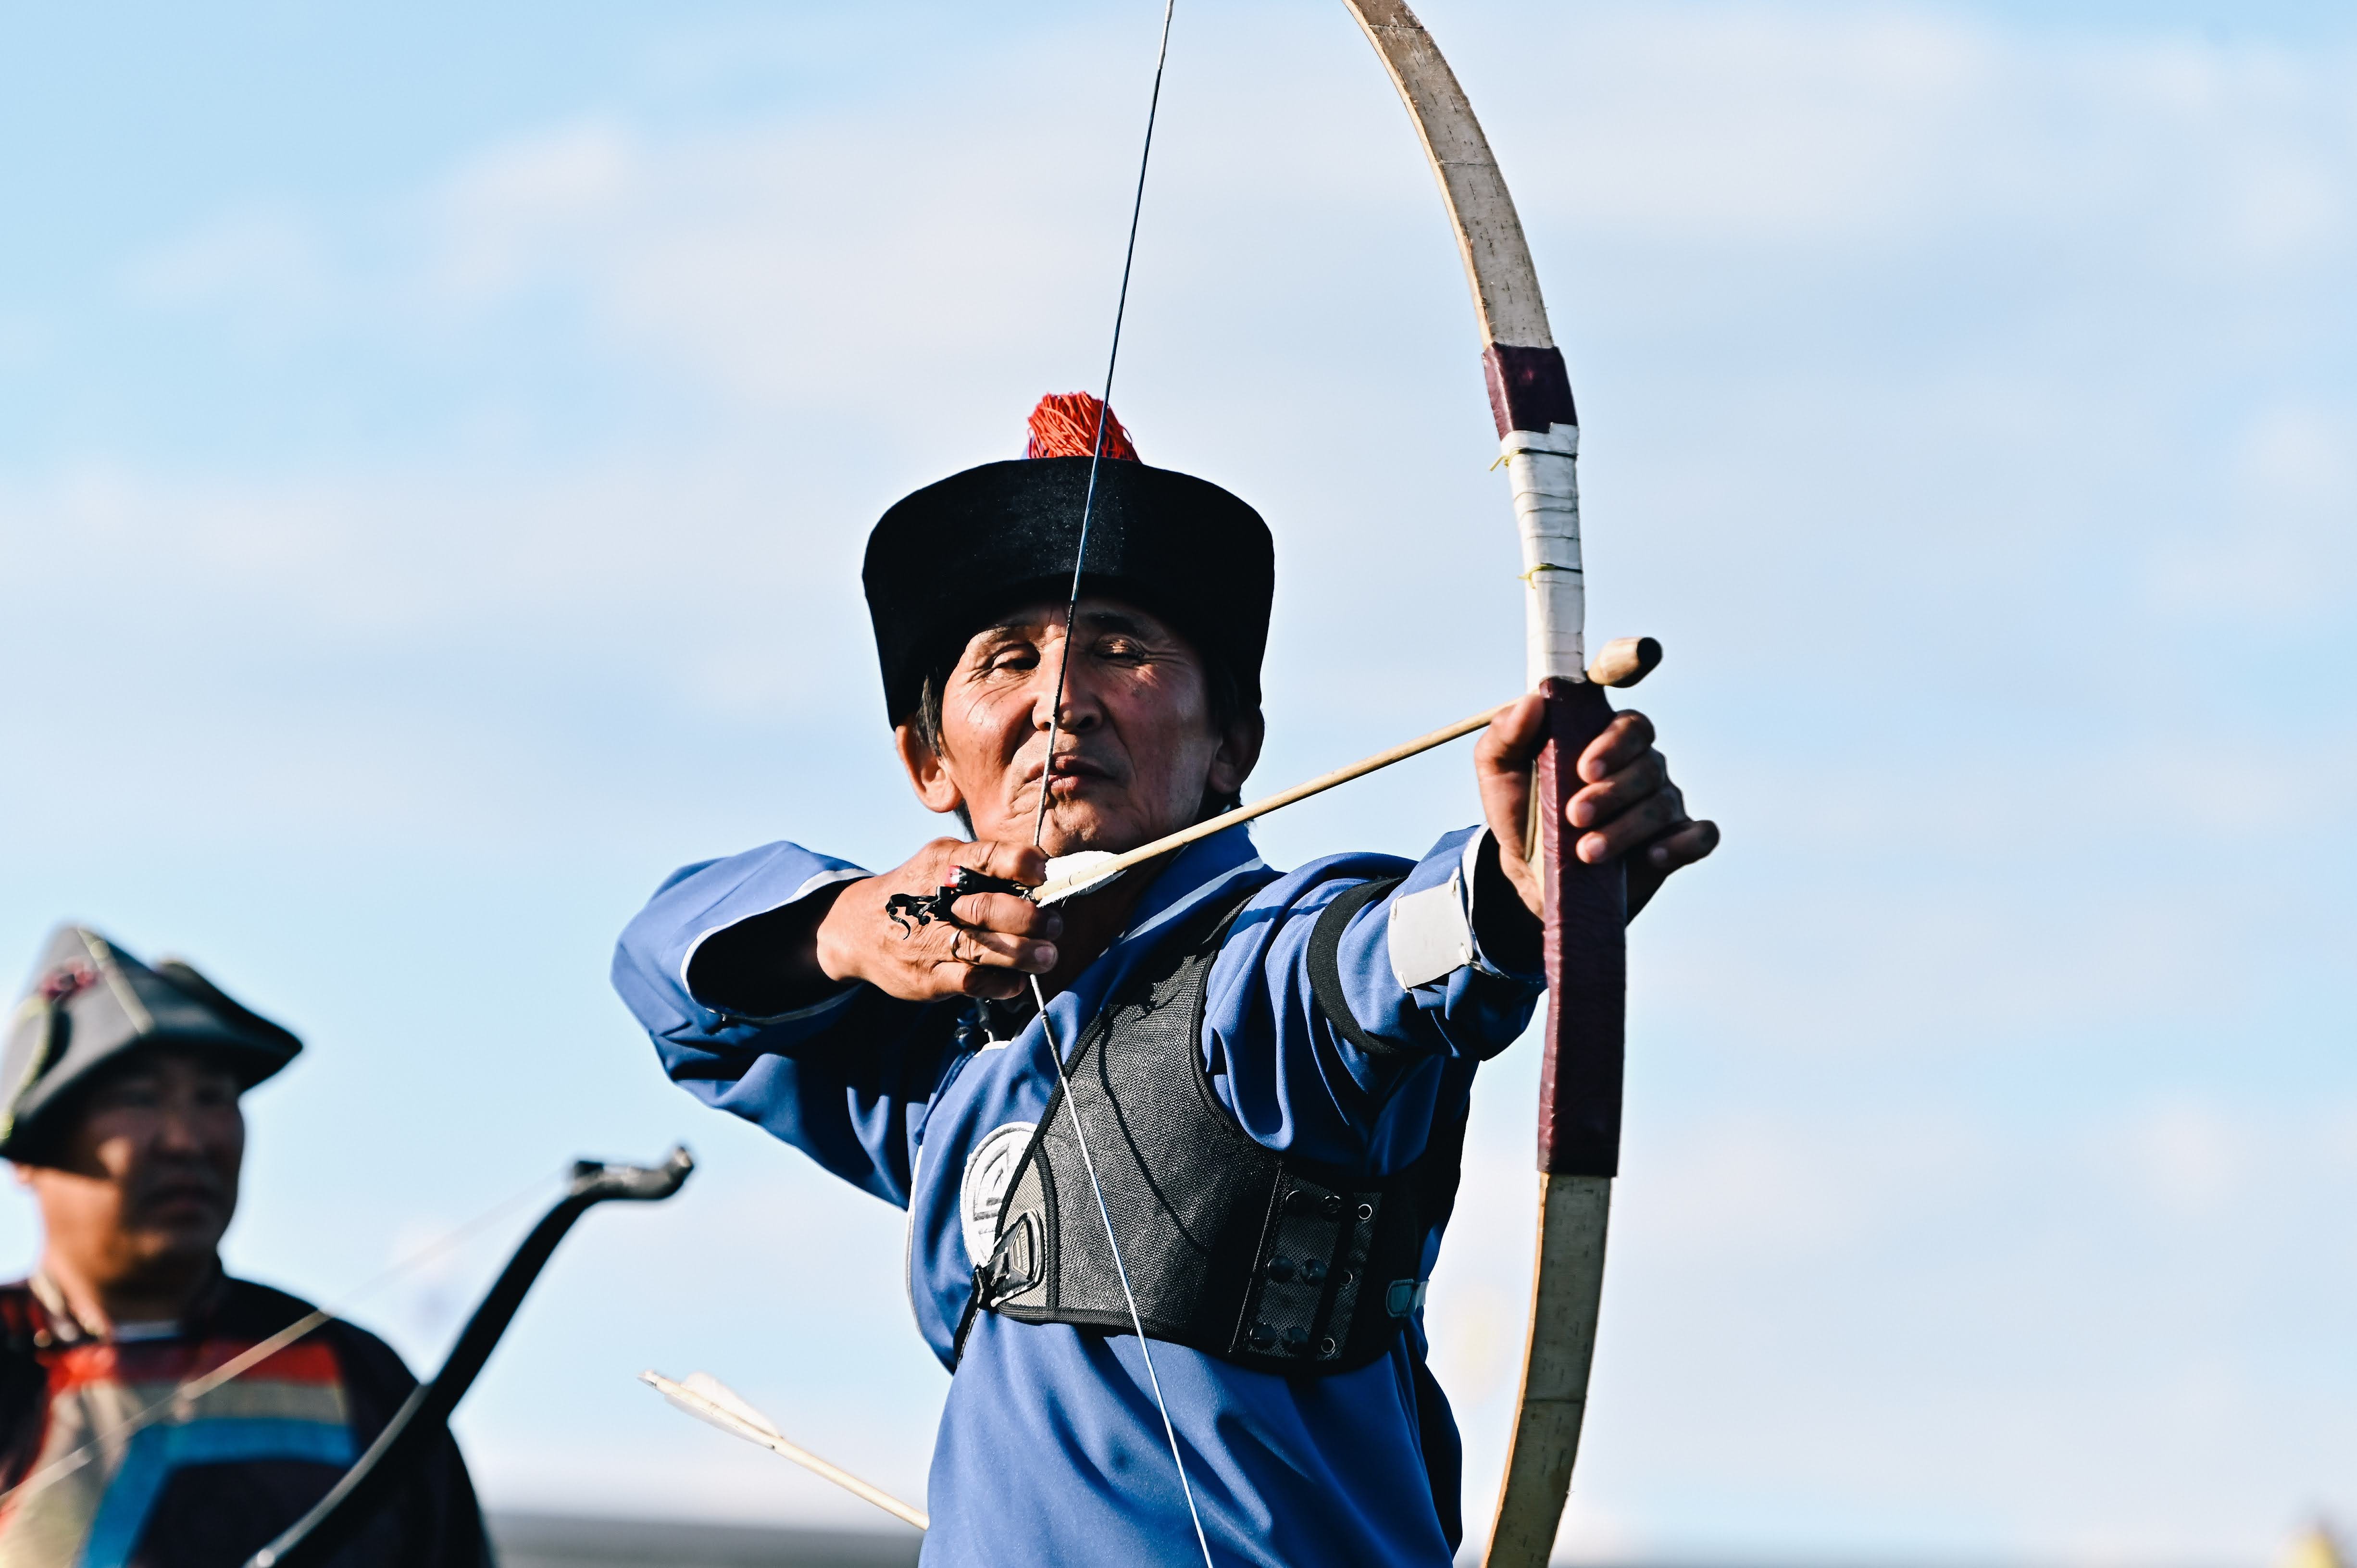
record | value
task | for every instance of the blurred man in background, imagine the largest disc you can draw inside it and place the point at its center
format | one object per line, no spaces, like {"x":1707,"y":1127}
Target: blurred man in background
{"x":121,"y":1118}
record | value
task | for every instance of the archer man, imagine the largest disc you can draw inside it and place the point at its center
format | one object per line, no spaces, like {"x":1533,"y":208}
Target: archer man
{"x":1271,"y":1069}
{"x":121,"y":1118}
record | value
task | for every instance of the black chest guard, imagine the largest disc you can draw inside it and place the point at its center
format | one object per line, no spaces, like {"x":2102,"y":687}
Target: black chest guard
{"x":1271,"y":1262}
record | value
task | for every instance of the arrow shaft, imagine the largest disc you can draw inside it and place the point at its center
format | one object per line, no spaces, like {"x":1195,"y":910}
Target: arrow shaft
{"x":907,"y":1513}
{"x":1065,"y":887}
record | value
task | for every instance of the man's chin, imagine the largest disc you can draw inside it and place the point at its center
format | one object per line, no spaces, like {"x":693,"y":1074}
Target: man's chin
{"x":172,"y":1239}
{"x":1076,"y":822}
{"x":1081,"y":832}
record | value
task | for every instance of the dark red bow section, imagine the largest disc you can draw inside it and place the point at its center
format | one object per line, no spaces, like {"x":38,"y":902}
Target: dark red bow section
{"x":1587,"y":957}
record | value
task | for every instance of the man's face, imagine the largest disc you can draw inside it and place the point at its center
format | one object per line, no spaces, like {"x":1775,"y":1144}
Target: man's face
{"x":145,"y":1178}
{"x":1136,"y":754}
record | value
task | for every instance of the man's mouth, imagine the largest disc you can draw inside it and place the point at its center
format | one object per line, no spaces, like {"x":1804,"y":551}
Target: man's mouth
{"x":1069,"y":774}
{"x":182,"y":1197}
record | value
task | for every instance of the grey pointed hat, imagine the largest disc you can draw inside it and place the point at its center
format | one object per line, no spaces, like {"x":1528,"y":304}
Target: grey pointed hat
{"x":90,"y":1003}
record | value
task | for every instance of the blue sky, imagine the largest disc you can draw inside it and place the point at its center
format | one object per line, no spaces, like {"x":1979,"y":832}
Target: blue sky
{"x":434,"y":450}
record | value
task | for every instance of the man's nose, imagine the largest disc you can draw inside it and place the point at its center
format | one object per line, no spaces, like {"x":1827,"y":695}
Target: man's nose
{"x":1082,"y":710}
{"x":179,"y":1131}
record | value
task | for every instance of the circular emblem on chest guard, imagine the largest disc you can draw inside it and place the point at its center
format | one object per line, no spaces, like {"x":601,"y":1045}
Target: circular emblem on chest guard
{"x":983,"y":1193}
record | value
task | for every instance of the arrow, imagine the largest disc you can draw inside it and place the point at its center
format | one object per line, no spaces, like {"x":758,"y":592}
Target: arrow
{"x":1624,"y":661}
{"x":706,"y":1398}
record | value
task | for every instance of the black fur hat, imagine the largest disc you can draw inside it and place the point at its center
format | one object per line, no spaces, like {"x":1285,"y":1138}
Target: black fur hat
{"x":945,"y":560}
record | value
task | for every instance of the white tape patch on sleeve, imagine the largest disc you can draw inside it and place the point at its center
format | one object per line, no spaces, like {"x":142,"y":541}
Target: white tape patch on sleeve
{"x":1430,"y":936}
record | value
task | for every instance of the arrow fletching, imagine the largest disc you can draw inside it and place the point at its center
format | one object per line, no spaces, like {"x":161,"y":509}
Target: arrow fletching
{"x":708,"y":1399}
{"x":1082,"y":872}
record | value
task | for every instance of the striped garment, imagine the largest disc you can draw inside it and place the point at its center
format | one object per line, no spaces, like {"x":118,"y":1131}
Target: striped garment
{"x":92,"y":1513}
{"x":204,"y":1481}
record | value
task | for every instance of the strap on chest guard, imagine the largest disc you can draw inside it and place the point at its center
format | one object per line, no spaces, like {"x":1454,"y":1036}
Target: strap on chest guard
{"x":1268,"y":1261}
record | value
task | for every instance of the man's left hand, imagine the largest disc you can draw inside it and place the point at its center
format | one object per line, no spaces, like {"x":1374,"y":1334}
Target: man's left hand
{"x":1626,"y":806}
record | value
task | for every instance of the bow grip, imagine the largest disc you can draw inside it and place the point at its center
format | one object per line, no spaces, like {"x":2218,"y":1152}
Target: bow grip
{"x":1586,"y":909}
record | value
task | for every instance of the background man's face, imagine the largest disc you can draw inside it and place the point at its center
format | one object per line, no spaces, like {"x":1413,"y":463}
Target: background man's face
{"x":146,"y":1179}
{"x":1137,"y":753}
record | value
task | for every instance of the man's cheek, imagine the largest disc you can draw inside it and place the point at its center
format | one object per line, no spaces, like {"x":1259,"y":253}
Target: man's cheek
{"x":118,"y":1155}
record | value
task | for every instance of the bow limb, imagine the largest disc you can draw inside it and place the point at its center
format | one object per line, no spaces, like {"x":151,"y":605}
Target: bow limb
{"x":408,"y":1436}
{"x":1579,"y":1083}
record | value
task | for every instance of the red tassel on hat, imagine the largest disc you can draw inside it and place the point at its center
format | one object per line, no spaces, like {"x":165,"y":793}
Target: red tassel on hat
{"x":1065,"y":425}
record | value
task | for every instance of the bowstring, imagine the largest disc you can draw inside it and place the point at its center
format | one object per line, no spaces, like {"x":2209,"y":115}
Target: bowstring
{"x":1047,"y":780}
{"x":1121,"y":1271}
{"x":186,"y":1393}
{"x":1105,"y":420}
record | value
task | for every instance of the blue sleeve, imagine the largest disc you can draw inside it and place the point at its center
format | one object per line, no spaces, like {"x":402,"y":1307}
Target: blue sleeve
{"x":1422,"y":988}
{"x":847,"y":1080}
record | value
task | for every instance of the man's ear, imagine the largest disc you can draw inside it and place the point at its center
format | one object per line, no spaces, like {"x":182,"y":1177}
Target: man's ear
{"x":928,"y":774}
{"x":1238,"y":753}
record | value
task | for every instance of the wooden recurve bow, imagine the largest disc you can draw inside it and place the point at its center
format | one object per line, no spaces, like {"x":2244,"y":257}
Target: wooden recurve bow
{"x":1579,"y":1083}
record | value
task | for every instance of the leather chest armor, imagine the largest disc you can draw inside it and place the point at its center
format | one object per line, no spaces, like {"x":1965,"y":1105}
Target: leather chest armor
{"x":1269,"y":1261}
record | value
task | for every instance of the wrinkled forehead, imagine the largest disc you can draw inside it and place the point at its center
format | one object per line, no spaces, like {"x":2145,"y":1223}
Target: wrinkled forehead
{"x":1096,"y":614}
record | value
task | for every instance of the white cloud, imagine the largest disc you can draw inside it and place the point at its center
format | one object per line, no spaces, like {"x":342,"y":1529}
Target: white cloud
{"x":512,"y":212}
{"x":2286,"y":552}
{"x":2186,"y":1158}
{"x":264,"y":265}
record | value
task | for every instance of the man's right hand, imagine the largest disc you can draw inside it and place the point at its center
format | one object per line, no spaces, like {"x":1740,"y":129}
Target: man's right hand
{"x":995,"y":943}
